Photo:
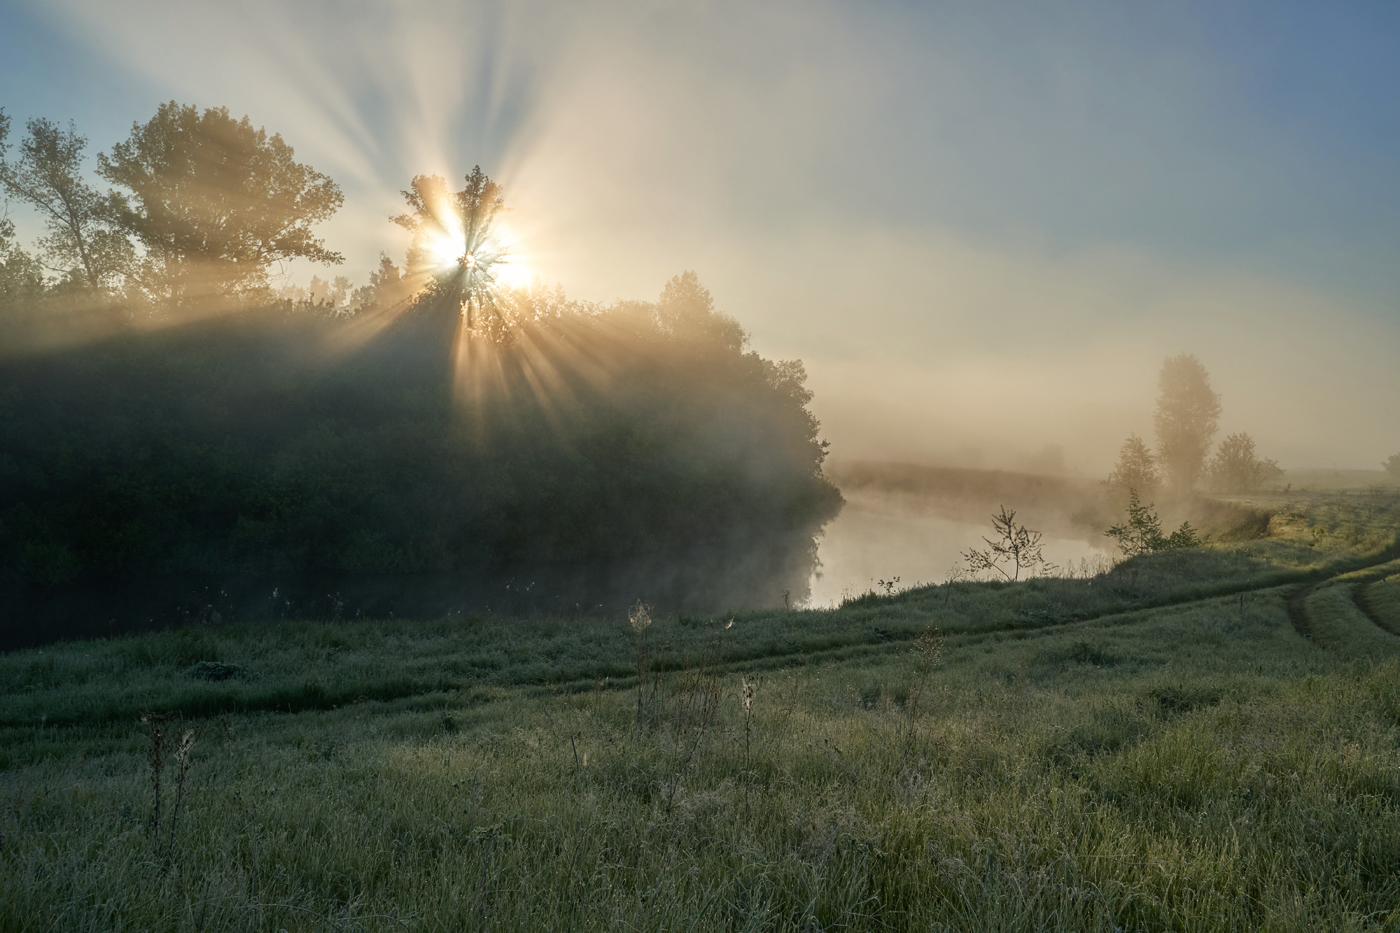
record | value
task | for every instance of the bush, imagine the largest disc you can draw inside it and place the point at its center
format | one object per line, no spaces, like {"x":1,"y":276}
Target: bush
{"x":1142,"y":533}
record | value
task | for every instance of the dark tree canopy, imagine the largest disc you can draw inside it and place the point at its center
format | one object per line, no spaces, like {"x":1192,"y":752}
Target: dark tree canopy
{"x":215,"y":201}
{"x":614,"y":455}
{"x":1187,"y":414}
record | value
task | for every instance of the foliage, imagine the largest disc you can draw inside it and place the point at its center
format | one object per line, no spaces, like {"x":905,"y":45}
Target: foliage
{"x":1392,"y":466}
{"x":214,"y":202}
{"x":1186,"y":419}
{"x":388,"y":287}
{"x":1136,"y":468}
{"x":81,"y":238}
{"x":1235,"y":468}
{"x":686,"y":312}
{"x":1142,"y":532}
{"x":1015,"y":546}
{"x":601,"y":458}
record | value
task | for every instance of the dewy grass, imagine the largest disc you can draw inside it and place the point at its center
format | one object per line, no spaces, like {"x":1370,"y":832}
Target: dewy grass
{"x":1102,"y":754}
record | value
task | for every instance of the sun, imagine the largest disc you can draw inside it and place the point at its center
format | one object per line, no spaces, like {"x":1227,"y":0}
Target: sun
{"x":445,"y":248}
{"x":498,"y":254}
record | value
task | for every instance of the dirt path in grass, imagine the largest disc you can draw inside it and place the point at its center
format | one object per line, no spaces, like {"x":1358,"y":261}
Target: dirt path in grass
{"x":1298,"y":612}
{"x":1361,"y":595}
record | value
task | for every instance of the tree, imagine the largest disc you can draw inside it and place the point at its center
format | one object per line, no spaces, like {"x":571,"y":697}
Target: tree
{"x":1016,"y":546}
{"x":1136,"y":468}
{"x":686,"y":310}
{"x":1186,"y":419}
{"x":215,"y":202}
{"x":387,"y":287}
{"x":21,"y":277}
{"x":455,"y":240}
{"x":1142,"y":532}
{"x":1236,"y":469}
{"x":82,"y":241}
{"x":1392,"y":466}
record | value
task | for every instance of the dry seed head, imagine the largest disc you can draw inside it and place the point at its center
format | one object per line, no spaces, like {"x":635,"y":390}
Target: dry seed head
{"x":639,"y":616}
{"x":748,"y":695}
{"x":182,"y":753}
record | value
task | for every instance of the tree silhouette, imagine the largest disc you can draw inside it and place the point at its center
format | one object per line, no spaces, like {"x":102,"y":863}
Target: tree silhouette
{"x":455,"y":240}
{"x":1187,"y":413}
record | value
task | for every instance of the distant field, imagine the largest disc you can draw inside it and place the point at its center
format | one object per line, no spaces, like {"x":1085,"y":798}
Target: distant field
{"x":1319,"y":479}
{"x":1194,"y":740}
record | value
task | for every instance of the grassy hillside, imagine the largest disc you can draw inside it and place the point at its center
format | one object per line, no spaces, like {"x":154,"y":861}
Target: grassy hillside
{"x":1204,"y":740}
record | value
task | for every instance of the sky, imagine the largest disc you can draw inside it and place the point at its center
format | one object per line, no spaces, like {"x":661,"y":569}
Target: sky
{"x":981,"y":226}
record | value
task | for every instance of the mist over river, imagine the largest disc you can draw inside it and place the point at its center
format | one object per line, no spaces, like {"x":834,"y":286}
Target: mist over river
{"x":879,"y":537}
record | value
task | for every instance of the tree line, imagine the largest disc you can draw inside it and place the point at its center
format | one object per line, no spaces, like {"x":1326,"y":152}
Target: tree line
{"x":384,"y":454}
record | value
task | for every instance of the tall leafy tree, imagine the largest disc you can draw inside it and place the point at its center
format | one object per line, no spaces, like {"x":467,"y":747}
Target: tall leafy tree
{"x":216,"y":201}
{"x":81,"y":242}
{"x":455,"y":240}
{"x":1188,"y":412}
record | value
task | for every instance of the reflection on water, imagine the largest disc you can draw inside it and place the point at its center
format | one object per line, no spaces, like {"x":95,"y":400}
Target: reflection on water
{"x":879,"y":539}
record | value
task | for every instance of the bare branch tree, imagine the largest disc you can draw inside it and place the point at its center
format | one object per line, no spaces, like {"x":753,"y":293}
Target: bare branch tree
{"x":1016,"y":546}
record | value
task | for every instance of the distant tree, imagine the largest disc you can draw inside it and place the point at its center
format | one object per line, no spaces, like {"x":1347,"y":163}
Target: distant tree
{"x":1015,"y":546}
{"x":1142,"y":532}
{"x":1136,"y":468}
{"x":456,"y":245}
{"x":82,"y":243}
{"x":1186,"y":419}
{"x":332,"y":296}
{"x":686,"y":310}
{"x":21,"y":275}
{"x":388,"y":286}
{"x":215,"y":202}
{"x":1392,"y":466}
{"x":1236,"y":469}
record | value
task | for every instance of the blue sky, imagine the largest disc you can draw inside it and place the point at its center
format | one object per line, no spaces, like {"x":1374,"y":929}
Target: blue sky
{"x":906,"y":195}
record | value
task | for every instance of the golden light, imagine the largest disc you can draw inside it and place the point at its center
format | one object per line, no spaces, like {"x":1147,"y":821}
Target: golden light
{"x":445,"y":247}
{"x":510,"y":268}
{"x":497,"y":253}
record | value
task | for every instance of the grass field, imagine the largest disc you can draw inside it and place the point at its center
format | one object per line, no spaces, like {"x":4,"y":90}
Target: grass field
{"x":1207,"y":740}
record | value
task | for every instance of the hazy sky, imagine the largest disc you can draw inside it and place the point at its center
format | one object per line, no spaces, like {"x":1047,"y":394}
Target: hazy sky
{"x":981,"y":225}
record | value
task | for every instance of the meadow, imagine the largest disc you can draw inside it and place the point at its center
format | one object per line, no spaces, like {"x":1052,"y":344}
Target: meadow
{"x":1196,"y":740}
